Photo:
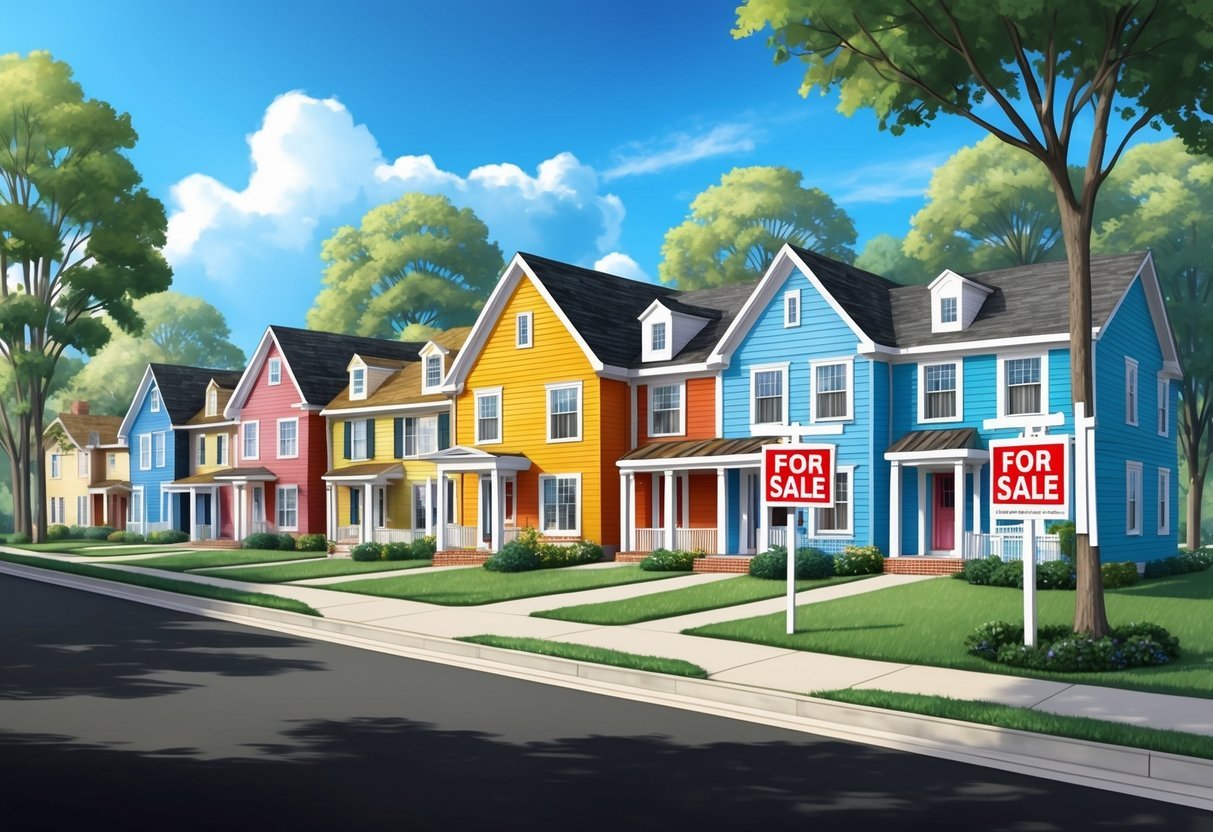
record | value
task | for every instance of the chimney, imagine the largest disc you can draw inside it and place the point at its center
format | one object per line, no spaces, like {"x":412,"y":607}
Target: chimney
{"x":79,"y":408}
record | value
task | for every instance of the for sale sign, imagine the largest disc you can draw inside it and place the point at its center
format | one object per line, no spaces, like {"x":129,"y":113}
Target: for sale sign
{"x":798,"y":475}
{"x":1030,"y":477}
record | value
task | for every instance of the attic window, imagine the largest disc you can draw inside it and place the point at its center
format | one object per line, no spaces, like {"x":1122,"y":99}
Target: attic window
{"x":155,"y":405}
{"x":657,"y":337}
{"x":212,"y":402}
{"x":947,"y":310}
{"x":433,"y":371}
{"x":358,"y":383}
{"x":275,"y":371}
{"x":94,"y":438}
{"x":523,"y":324}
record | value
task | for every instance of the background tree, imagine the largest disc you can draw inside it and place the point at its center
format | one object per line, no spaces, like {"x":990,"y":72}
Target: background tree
{"x":78,"y":236}
{"x":418,"y":260}
{"x":736,"y":228}
{"x":1171,"y":196}
{"x":884,"y":255}
{"x":177,"y":329}
{"x":1030,"y":74}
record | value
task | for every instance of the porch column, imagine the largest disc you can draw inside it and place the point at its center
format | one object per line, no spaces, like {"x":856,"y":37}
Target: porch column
{"x":895,"y":509}
{"x":368,"y":511}
{"x":722,"y":511}
{"x":958,"y":511}
{"x":193,"y":529}
{"x":330,"y":530}
{"x":105,"y":509}
{"x":922,"y":511}
{"x":440,"y":532}
{"x":625,"y":511}
{"x":669,"y":509}
{"x":238,"y":509}
{"x":977,"y":498}
{"x":428,"y":525}
{"x":496,"y":507}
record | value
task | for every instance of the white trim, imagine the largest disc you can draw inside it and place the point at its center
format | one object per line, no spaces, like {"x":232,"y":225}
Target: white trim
{"x":783,"y":367}
{"x":719,"y":382}
{"x":353,"y":423}
{"x":278,"y":491}
{"x":270,"y":368}
{"x":255,"y":424}
{"x":358,"y":380}
{"x":574,"y":532}
{"x":849,"y":369}
{"x":429,"y":353}
{"x":159,"y":449}
{"x":56,"y":466}
{"x":547,"y":397}
{"x":1001,"y":380}
{"x":791,"y":308}
{"x":967,"y":347}
{"x":1162,"y":409}
{"x":958,"y":393}
{"x":849,"y":531}
{"x":1163,"y":503}
{"x":1158,"y":311}
{"x":145,"y":439}
{"x":223,"y":444}
{"x":202,"y":426}
{"x":278,"y":438}
{"x":682,"y":408}
{"x":1132,"y":392}
{"x":950,"y":455}
{"x":248,"y":379}
{"x":524,"y":324}
{"x":342,"y":412}
{"x":154,"y":405}
{"x":1133,"y":521}
{"x":694,"y":369}
{"x":484,"y":393}
{"x":633,"y":416}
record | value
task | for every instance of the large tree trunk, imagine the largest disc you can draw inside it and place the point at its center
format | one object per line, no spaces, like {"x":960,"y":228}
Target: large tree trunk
{"x":22,"y":520}
{"x":1196,"y":490}
{"x":37,"y":467}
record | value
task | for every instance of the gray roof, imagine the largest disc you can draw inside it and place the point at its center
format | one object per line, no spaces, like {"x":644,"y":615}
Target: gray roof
{"x":318,"y":360}
{"x":863,"y":295}
{"x":719,"y":304}
{"x":183,"y":389}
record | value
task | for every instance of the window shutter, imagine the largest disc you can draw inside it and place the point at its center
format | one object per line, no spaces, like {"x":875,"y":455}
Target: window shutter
{"x":348,"y":439}
{"x":398,"y":438}
{"x":370,"y":438}
{"x":444,"y":431}
{"x":202,"y":452}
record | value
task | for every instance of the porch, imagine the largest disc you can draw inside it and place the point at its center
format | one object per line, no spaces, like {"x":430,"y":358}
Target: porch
{"x":496,"y":480}
{"x":108,"y":503}
{"x":248,"y":499}
{"x":207,"y":512}
{"x":357,"y":502}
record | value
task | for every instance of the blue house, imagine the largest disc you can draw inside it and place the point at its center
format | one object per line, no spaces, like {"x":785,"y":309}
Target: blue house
{"x":154,"y":429}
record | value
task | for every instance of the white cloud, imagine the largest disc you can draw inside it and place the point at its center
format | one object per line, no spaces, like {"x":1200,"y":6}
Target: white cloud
{"x":681,"y":149}
{"x":886,"y":181}
{"x":619,"y":263}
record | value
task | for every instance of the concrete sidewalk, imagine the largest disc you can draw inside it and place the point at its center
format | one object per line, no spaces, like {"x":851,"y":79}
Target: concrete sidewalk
{"x":769,"y":672}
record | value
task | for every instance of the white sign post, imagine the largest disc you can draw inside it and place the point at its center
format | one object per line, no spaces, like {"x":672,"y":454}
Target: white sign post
{"x":797,"y":476}
{"x":1030,"y":480}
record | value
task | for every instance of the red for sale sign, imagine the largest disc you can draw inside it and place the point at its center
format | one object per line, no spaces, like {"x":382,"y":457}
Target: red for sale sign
{"x":1030,"y":477}
{"x":798,"y":475}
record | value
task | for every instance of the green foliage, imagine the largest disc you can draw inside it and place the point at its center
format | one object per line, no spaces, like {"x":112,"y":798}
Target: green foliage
{"x":312,"y":543}
{"x":367,"y":551}
{"x":811,"y":563}
{"x":665,"y":560}
{"x":261,"y":540}
{"x":1061,"y":650}
{"x":167,"y":536}
{"x":424,"y":548}
{"x":1117,"y":575}
{"x":515,"y":556}
{"x":736,"y":228}
{"x":883,"y":255}
{"x":126,"y":537}
{"x":1056,"y":574}
{"x":556,"y":555}
{"x":19,"y":538}
{"x":528,"y":551}
{"x":418,"y":260}
{"x":58,"y":532}
{"x":1066,"y":534}
{"x":98,"y":532}
{"x":991,"y":571}
{"x":859,"y":560}
{"x":397,"y":551}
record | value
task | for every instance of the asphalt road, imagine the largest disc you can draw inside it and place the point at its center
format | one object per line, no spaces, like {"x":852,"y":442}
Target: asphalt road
{"x":116,"y":715}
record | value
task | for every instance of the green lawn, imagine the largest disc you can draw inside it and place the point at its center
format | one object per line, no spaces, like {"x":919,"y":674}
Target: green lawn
{"x":329,"y":568}
{"x":467,"y":587}
{"x":128,"y":549}
{"x":64,"y":547}
{"x":596,"y":655}
{"x":926,"y":623}
{"x":211,"y":558}
{"x":740,"y":590}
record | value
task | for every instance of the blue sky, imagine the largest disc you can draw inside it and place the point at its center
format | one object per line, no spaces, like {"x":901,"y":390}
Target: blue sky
{"x":578,"y":131}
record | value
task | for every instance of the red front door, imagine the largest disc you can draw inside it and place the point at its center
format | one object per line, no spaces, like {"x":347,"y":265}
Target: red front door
{"x":943,"y":526}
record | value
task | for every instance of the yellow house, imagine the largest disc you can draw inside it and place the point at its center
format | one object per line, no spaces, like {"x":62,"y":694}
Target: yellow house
{"x":87,"y":470}
{"x":389,"y":417}
{"x":542,"y":406}
{"x":212,"y":438}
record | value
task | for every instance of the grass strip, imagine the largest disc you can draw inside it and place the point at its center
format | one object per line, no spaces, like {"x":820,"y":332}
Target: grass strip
{"x":128,"y":550}
{"x":219,"y":593}
{"x":1027,"y":719}
{"x":211,"y":558}
{"x":710,"y":596}
{"x":329,"y":568}
{"x":62,"y":547}
{"x":596,"y":655}
{"x":469,"y":587}
{"x":926,"y":623}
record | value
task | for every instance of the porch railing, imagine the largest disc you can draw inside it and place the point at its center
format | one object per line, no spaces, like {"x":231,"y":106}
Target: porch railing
{"x":203,"y":531}
{"x":689,"y":540}
{"x":158,"y":527}
{"x":509,"y":534}
{"x":778,"y":536}
{"x":1008,"y":545}
{"x":135,"y":526}
{"x":261,"y":527}
{"x":385,"y":535}
{"x":649,"y":539}
{"x":460,"y":537}
{"x":349,"y":533}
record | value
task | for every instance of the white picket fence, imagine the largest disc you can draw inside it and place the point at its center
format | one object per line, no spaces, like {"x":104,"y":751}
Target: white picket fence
{"x":1008,"y":545}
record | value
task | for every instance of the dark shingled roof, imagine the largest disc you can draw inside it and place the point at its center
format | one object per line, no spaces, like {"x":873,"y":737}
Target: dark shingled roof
{"x":952,"y":439}
{"x":863,"y":295}
{"x":183,"y":389}
{"x":318,"y":360}
{"x":720,"y":304}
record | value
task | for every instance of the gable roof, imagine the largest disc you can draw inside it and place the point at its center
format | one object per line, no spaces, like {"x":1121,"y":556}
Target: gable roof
{"x":81,"y":427}
{"x":862,"y":295}
{"x":719,"y":304}
{"x":404,"y":385}
{"x":183,"y":389}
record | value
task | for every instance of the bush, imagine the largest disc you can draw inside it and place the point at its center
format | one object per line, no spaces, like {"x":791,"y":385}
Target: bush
{"x":1009,"y":574}
{"x":979,"y":572}
{"x":168,"y":536}
{"x":1059,"y":649}
{"x":367,"y":551}
{"x":286,"y":542}
{"x":125,"y":537}
{"x":98,"y":532}
{"x":19,"y":537}
{"x":811,"y":564}
{"x":1116,"y":575}
{"x":261,"y":540}
{"x":424,"y":548}
{"x":519,"y":555}
{"x":991,"y":571}
{"x":312,"y":543}
{"x":397,"y":551}
{"x":554,"y":556}
{"x":859,"y":560}
{"x":1056,"y":574}
{"x":57,"y":532}
{"x":664,"y":560}
{"x":1066,"y":535}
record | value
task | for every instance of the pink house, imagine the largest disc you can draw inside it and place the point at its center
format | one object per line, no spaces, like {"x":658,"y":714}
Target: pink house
{"x":281,"y":449}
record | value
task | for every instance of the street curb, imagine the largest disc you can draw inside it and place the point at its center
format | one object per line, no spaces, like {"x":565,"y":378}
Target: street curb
{"x":1172,"y":778}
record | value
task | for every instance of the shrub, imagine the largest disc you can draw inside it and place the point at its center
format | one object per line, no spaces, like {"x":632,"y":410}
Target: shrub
{"x":397,"y":551}
{"x":286,"y":542}
{"x":261,"y":540}
{"x":74,"y":532}
{"x":1059,"y":649}
{"x":553,"y":556}
{"x":1066,"y":536}
{"x":859,"y":560}
{"x":367,"y":551}
{"x":312,"y":543}
{"x":424,"y":548}
{"x":811,"y":564}
{"x":1200,"y":560}
{"x":979,"y":572}
{"x":57,"y":532}
{"x":125,"y":537}
{"x":519,"y":555}
{"x":1009,"y":574}
{"x":664,"y":560}
{"x":1116,"y":575}
{"x":1056,"y":574}
{"x":19,"y":537}
{"x":168,"y":536}
{"x":98,"y":532}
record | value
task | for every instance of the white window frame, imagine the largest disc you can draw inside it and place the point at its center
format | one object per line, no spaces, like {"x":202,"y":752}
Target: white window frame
{"x":111,"y":463}
{"x":82,"y":517}
{"x":1163,"y":502}
{"x":82,"y":463}
{"x":423,"y":427}
{"x":1164,"y":406}
{"x":212,"y":402}
{"x":784,"y":368}
{"x":221,"y":446}
{"x":159,"y":449}
{"x":1133,"y":508}
{"x":524,"y":330}
{"x":155,"y":400}
{"x":682,"y":409}
{"x":573,"y":532}
{"x":145,"y":452}
{"x":278,"y":508}
{"x":791,"y":308}
{"x":849,"y":472}
{"x":426,"y":385}
{"x":478,"y":395}
{"x":849,"y":371}
{"x":655,"y":328}
{"x":292,"y":420}
{"x":549,"y":389}
{"x":246,"y":428}
{"x":1001,"y":373}
{"x":958,"y":366}
{"x":1132,"y":392}
{"x":356,"y":426}
{"x":200,"y":450}
{"x":955,"y":309}
{"x":56,"y":466}
{"x":358,"y":383}
{"x":274,"y":372}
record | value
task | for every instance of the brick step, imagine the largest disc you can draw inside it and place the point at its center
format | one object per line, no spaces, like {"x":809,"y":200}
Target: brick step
{"x":630,"y":557}
{"x":922,"y":566}
{"x":213,"y":544}
{"x":736,"y":564}
{"x":461,"y":557}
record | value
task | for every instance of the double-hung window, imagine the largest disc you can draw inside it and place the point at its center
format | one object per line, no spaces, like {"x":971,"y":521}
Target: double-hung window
{"x":947,"y":310}
{"x":940,"y":396}
{"x":665,"y":408}
{"x":57,"y":465}
{"x":831,"y":390}
{"x":1133,"y":498}
{"x":158,"y":448}
{"x":221,"y":449}
{"x":1164,"y":501}
{"x":560,"y":504}
{"x":791,"y":308}
{"x":488,"y":416}
{"x":657,"y":339}
{"x":288,"y":438}
{"x":357,"y":438}
{"x":837,"y":520}
{"x":251,"y":448}
{"x":212,"y":402}
{"x":420,"y":435}
{"x":768,"y":389}
{"x":145,"y":451}
{"x":1130,"y":391}
{"x":1023,"y":386}
{"x":523,"y":324}
{"x":564,"y":412}
{"x":155,"y":404}
{"x":200,"y":455}
{"x":358,"y":383}
{"x":288,"y":507}
{"x":81,"y":463}
{"x":1164,"y":407}
{"x":433,"y":372}
{"x":275,"y":371}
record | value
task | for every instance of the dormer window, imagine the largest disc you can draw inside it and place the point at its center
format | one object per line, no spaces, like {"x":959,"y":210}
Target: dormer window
{"x":433,"y":372}
{"x":657,"y":337}
{"x":358,"y":383}
{"x":956,"y":301}
{"x":275,"y":371}
{"x":947,"y":310}
{"x":212,"y":402}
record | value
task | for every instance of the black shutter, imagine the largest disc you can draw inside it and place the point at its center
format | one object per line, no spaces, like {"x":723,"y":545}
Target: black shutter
{"x":348,"y":440}
{"x":398,"y":438}
{"x":370,"y":438}
{"x":444,"y":431}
